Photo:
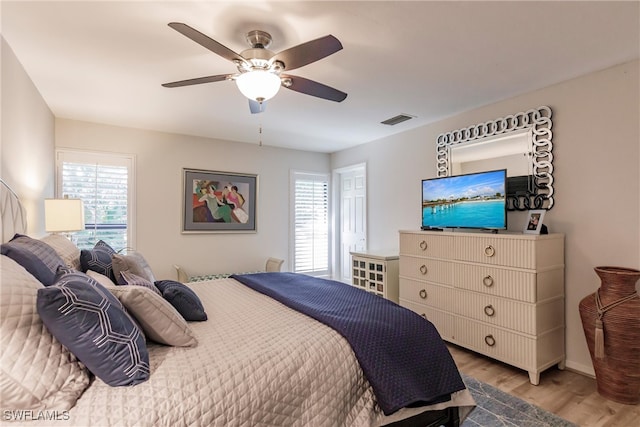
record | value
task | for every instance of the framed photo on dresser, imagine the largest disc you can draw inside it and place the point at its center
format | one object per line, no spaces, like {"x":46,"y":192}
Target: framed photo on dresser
{"x":219,"y":202}
{"x":534,"y":221}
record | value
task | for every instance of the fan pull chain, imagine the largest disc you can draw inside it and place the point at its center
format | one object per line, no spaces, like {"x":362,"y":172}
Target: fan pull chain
{"x":260,"y":134}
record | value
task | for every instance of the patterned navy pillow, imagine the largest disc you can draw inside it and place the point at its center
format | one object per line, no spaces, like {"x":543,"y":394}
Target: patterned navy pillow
{"x":104,"y":246}
{"x":38,"y":258}
{"x":183,"y":299}
{"x":87,"y":319}
{"x":98,"y":259}
{"x":63,"y":269}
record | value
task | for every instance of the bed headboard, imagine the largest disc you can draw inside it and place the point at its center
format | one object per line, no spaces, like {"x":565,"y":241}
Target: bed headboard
{"x":14,"y":217}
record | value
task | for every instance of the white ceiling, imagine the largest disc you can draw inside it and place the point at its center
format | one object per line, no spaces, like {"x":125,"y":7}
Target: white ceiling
{"x":104,"y":61}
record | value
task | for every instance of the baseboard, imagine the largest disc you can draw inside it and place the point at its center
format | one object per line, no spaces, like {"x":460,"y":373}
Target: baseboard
{"x":579,"y":368}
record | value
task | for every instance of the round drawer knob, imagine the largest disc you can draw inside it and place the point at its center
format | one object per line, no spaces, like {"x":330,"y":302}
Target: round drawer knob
{"x":490,"y":340}
{"x":487,"y":281}
{"x":423,"y":269}
{"x":423,"y":294}
{"x":489,"y":310}
{"x":423,"y":245}
{"x":489,"y":251}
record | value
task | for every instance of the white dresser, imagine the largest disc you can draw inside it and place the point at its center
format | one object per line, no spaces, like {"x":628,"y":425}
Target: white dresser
{"x":501,"y":295}
{"x":376,"y":273}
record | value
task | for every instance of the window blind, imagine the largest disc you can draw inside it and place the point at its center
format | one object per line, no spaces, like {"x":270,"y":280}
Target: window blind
{"x":103,"y":185}
{"x":311,"y":223}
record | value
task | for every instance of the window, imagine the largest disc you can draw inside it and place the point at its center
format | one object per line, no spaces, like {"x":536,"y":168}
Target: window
{"x":310,"y":223}
{"x":105,"y":184}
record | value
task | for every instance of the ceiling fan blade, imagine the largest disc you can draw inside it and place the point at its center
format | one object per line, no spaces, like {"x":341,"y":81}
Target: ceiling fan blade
{"x":310,"y":87}
{"x":199,"y":80}
{"x":257,"y":107}
{"x":306,"y":53}
{"x":206,"y":41}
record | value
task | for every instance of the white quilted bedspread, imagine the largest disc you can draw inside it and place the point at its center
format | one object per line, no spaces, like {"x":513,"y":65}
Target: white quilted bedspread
{"x":258,"y":363}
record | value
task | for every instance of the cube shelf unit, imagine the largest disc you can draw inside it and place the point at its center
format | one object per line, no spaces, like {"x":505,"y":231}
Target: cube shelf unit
{"x":376,"y":273}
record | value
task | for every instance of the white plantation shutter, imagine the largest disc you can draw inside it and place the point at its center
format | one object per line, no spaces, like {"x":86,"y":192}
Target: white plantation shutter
{"x":310,"y":220}
{"x":104,"y":182}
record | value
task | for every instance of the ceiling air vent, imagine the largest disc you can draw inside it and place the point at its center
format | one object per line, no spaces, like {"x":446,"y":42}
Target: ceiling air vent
{"x":397,"y":119}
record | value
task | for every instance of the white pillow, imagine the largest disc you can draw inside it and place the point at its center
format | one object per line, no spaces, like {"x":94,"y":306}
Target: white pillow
{"x":101,"y":278}
{"x":158,"y":319}
{"x":36,"y":371}
{"x":134,"y":263}
{"x":65,"y":249}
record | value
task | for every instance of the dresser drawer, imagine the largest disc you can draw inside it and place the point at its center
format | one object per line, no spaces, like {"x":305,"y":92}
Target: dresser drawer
{"x":427,"y":245}
{"x":514,"y":315}
{"x":517,"y":316}
{"x":525,"y":352}
{"x":495,"y":342}
{"x":444,"y":322}
{"x":514,"y":284}
{"x":427,"y":269}
{"x":518,"y":253}
{"x":426,"y":293}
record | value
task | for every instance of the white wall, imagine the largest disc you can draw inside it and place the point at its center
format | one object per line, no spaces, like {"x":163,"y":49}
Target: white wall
{"x":26,"y":148}
{"x":596,"y":137}
{"x":160,"y":159}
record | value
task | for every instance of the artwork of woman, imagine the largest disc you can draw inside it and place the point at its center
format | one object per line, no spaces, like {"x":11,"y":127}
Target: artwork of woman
{"x":218,"y":202}
{"x":236,"y":200}
{"x":220,"y":211}
{"x":233,"y":196}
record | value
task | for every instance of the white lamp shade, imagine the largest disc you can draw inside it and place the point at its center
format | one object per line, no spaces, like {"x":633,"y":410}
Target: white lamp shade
{"x":63,"y":215}
{"x":258,"y":85}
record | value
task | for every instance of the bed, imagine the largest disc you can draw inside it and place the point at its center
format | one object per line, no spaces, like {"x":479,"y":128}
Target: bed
{"x":253,"y":361}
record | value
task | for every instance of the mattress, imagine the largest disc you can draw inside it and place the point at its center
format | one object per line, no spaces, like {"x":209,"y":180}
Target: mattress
{"x":257,"y":363}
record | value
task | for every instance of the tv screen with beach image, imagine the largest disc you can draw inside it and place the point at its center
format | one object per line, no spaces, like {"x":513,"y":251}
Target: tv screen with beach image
{"x":474,"y":200}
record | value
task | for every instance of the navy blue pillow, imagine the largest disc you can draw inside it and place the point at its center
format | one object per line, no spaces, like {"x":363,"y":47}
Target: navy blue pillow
{"x":98,"y":259}
{"x":38,"y":258}
{"x":87,"y":319}
{"x":183,"y":299}
{"x":104,"y":246}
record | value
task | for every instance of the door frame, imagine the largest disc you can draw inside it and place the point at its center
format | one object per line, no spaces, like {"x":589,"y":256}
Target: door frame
{"x":336,"y":218}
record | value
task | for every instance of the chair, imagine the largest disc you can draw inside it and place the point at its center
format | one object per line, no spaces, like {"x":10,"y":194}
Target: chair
{"x":273,"y":264}
{"x":182,"y":275}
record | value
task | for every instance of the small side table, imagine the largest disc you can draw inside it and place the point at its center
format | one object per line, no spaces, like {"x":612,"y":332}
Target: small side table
{"x":376,"y":273}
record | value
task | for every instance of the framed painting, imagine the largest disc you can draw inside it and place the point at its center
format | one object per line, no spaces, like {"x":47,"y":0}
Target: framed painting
{"x":219,"y":202}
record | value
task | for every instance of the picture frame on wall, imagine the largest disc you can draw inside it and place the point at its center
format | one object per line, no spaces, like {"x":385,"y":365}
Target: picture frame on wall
{"x":534,"y":221}
{"x":219,"y":202}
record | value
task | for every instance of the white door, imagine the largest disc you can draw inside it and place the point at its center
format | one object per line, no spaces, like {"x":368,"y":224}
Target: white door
{"x":353,"y":216}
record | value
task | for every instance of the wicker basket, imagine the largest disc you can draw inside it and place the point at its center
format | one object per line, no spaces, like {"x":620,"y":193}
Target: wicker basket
{"x":618,"y":369}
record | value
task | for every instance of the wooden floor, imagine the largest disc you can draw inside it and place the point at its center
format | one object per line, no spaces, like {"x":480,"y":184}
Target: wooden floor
{"x":567,"y":394}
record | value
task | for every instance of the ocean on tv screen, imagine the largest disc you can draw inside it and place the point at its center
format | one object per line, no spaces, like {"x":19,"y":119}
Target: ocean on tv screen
{"x":472,"y":214}
{"x":475,"y":200}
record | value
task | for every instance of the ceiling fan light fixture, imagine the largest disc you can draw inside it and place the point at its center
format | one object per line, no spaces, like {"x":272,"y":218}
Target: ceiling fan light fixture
{"x":258,"y":85}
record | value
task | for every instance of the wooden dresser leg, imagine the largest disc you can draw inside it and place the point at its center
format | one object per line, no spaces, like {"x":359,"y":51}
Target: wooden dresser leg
{"x":534,"y":377}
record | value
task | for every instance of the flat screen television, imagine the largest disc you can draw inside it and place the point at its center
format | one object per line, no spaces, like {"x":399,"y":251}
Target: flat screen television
{"x":475,"y":200}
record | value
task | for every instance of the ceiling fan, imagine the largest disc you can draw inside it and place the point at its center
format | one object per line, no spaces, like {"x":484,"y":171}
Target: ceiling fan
{"x":260,"y":71}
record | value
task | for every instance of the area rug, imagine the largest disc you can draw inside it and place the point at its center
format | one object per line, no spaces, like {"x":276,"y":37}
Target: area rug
{"x":497,"y":408}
